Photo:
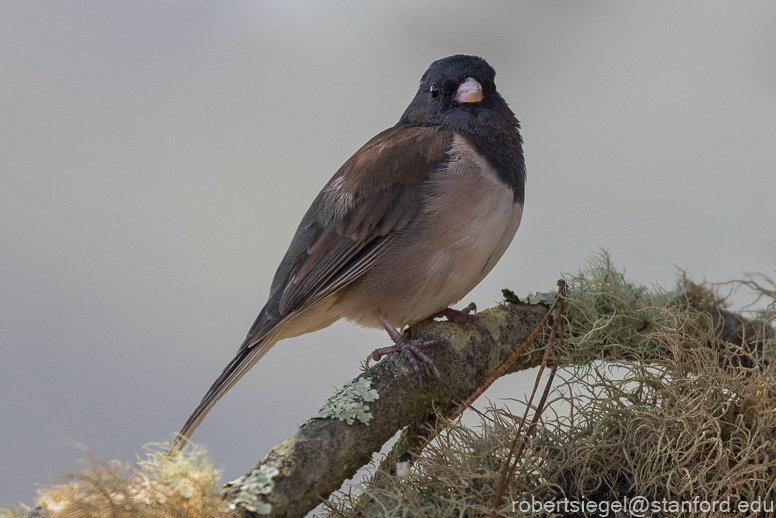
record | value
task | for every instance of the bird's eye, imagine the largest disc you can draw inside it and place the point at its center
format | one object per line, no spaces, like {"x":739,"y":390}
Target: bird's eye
{"x":434,"y":90}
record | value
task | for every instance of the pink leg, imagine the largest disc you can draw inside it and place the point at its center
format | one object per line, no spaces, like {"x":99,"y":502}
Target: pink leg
{"x":412,"y":351}
{"x":466,"y":318}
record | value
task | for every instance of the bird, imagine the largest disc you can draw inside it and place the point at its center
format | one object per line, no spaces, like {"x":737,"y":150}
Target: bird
{"x":407,"y":227}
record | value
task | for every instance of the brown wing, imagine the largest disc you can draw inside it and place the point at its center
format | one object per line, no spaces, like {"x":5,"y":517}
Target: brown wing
{"x":373,"y":195}
{"x":353,"y":219}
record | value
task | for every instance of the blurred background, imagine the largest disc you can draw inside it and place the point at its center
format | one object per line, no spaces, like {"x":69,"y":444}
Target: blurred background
{"x":157,"y":156}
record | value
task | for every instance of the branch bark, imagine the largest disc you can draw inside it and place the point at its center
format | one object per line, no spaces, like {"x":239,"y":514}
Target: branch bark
{"x":296,"y":475}
{"x":328,"y":449}
{"x":325,"y":452}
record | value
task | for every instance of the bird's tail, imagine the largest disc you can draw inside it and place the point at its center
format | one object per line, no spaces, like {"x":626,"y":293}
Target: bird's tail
{"x":246,"y":358}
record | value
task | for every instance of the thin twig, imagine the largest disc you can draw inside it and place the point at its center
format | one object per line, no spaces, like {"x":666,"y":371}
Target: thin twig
{"x":542,"y":402}
{"x":493,"y":377}
{"x":510,"y":465}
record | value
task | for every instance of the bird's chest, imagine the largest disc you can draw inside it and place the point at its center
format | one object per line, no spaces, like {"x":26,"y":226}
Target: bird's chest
{"x":468,"y":217}
{"x":467,"y":221}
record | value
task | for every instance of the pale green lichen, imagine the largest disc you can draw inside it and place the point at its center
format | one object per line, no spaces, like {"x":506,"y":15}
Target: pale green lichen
{"x":257,"y":482}
{"x":347,"y":404}
{"x":541,"y":298}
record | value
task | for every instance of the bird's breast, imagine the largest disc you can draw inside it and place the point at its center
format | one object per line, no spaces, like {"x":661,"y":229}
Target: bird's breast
{"x":467,"y":221}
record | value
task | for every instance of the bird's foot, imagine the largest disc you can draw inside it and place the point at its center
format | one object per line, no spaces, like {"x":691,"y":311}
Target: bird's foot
{"x":467,"y":319}
{"x":413,"y":351}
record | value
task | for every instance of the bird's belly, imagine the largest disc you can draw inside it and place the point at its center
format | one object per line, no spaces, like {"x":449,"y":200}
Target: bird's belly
{"x":452,"y":244}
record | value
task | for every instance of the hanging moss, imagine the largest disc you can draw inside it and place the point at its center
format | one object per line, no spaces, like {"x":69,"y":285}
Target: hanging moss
{"x":691,"y":411}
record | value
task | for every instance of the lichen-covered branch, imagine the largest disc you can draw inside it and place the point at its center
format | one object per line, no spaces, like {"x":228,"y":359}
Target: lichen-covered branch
{"x":356,"y":422}
{"x":329,"y":448}
{"x":606,"y":318}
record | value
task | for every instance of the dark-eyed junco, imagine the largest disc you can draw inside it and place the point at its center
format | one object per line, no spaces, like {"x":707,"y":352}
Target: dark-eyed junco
{"x":408,"y":225}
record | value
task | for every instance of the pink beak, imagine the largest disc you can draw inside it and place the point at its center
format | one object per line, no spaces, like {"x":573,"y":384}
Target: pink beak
{"x":470,"y":91}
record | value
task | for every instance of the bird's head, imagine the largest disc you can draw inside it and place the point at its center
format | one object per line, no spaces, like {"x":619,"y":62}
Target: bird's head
{"x":458,"y":93}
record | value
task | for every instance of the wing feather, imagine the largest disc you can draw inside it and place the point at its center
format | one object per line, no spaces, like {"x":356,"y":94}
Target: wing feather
{"x":372,"y":196}
{"x":353,"y":220}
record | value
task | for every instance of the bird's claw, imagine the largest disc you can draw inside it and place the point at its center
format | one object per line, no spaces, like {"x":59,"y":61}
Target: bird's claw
{"x":413,"y":351}
{"x":466,"y":318}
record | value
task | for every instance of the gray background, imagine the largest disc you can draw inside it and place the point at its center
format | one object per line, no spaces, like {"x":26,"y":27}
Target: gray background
{"x":156,"y":157}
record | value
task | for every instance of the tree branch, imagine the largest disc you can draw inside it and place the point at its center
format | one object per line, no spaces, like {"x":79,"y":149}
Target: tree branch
{"x":356,"y":422}
{"x":325,"y":452}
{"x":296,"y":475}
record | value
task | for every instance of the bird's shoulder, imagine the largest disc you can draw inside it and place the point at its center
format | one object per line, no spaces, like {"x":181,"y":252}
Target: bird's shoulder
{"x":374,"y":188}
{"x":374,"y":193}
{"x":396,"y":158}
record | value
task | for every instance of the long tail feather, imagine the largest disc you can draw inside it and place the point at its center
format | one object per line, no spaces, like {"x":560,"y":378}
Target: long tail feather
{"x":246,"y":358}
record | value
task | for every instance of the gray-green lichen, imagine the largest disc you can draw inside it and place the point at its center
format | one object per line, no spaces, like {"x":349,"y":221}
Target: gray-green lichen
{"x":257,"y":482}
{"x":347,"y":404}
{"x":541,"y":298}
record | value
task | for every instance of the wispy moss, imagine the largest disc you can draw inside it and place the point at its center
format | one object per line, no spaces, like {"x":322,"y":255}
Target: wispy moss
{"x":186,"y":486}
{"x":658,"y":409}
